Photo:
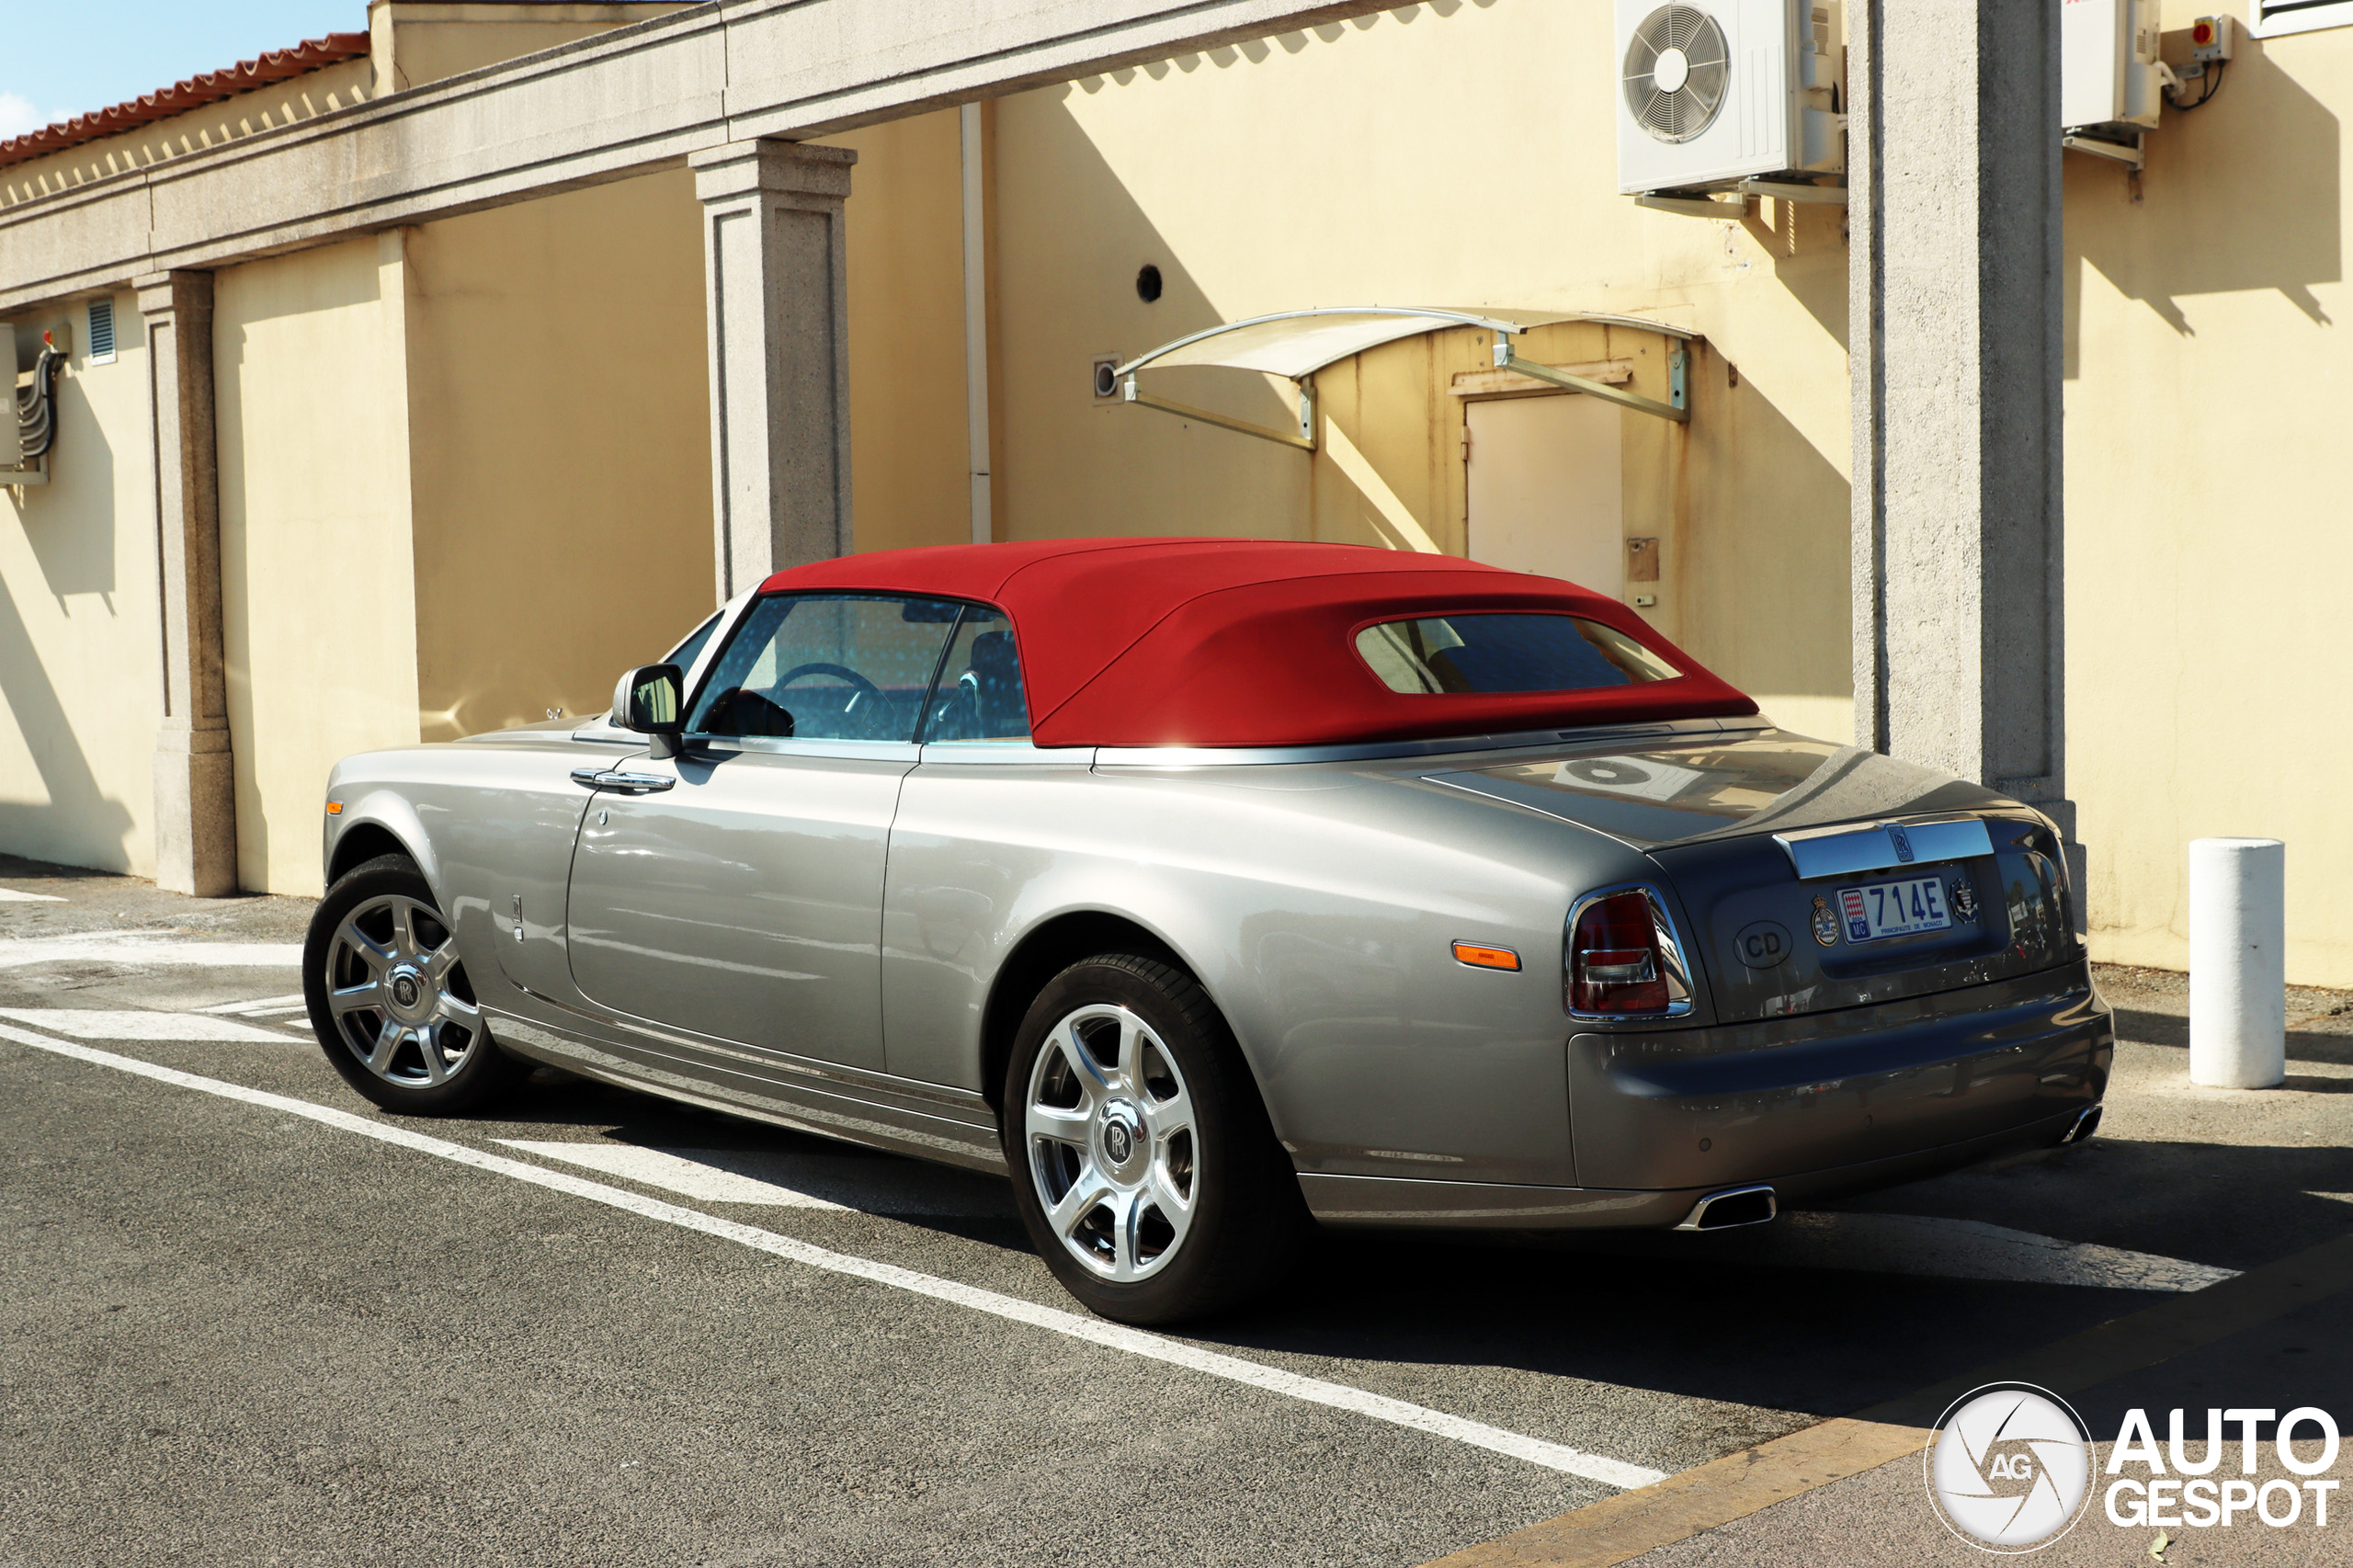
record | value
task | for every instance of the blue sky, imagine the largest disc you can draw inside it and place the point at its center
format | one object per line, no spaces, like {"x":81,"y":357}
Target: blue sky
{"x":61,"y":58}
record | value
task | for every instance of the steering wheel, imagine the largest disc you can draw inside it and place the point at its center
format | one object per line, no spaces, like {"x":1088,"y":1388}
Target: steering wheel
{"x":866,"y":687}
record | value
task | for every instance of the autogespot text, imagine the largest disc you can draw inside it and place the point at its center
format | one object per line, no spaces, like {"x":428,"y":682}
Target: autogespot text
{"x":2173,"y":1489}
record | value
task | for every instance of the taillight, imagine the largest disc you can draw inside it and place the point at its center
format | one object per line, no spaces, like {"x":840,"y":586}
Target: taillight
{"x":1616,"y":964}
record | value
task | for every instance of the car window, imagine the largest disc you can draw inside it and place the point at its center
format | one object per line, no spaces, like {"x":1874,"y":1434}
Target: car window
{"x":825,"y":666}
{"x":980,"y":695}
{"x":686,"y":653}
{"x":1506,"y":652}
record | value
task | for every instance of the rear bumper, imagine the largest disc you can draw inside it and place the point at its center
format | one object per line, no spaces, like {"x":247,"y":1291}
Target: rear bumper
{"x":1482,"y":1205}
{"x":1816,"y":1107}
{"x":1767,"y":1101}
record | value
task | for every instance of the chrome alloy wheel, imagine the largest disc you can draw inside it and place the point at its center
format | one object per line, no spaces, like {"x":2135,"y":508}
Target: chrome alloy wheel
{"x":1112,"y":1145}
{"x":398,"y":994}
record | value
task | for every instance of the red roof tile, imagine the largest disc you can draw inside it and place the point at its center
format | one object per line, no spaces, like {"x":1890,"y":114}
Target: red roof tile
{"x":195,"y":93}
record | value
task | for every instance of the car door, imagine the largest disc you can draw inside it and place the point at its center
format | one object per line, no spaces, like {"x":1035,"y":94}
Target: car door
{"x":735,"y":892}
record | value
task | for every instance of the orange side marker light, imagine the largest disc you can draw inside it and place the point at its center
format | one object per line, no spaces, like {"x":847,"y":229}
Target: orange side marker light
{"x":335,"y":809}
{"x":1479,"y":956}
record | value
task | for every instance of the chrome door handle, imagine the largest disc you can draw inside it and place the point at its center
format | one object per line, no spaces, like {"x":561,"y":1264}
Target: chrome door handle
{"x":626,"y":783}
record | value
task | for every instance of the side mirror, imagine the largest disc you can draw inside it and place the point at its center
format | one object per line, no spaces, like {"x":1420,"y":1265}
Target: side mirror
{"x":648,"y":701}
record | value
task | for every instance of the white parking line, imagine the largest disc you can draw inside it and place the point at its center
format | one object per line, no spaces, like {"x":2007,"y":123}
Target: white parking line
{"x":1095,"y":1331}
{"x":778,"y":1179}
{"x":1870,"y":1243}
{"x":257,"y":1006}
{"x":146,"y":948}
{"x":132,"y":1023}
{"x":14,"y":895}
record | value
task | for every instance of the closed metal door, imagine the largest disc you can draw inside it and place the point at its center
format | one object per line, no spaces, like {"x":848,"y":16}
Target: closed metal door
{"x":743,"y":903}
{"x":1547,"y":489}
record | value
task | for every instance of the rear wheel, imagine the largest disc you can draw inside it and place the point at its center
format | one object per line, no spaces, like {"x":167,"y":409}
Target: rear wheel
{"x":389,"y":998}
{"x":1143,"y":1163}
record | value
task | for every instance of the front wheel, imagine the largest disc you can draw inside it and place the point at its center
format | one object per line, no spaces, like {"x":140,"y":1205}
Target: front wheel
{"x":1144,"y":1164}
{"x":389,"y":998}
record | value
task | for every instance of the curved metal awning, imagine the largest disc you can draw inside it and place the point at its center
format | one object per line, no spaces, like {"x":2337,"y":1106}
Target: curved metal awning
{"x":1296,"y":344}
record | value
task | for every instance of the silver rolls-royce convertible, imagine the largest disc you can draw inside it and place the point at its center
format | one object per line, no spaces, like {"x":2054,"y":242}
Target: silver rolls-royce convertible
{"x":1210,"y":889}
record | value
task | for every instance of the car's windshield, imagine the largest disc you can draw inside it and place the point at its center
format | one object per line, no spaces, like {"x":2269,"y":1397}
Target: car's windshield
{"x":825,"y":666}
{"x":1503,"y":652}
{"x":685,"y":654}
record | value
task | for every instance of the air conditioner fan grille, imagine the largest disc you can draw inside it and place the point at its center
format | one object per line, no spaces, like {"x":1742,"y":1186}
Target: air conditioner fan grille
{"x":1678,"y":99}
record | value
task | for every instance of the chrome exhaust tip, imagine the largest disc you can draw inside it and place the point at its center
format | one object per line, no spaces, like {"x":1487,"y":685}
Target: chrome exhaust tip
{"x":2086,"y":1125}
{"x":1733,"y":1206}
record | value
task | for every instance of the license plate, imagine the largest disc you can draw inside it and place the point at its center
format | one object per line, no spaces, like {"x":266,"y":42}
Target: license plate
{"x":1894,"y":909}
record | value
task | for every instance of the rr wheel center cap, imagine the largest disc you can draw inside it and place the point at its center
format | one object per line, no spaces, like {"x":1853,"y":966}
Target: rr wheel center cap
{"x":1123,"y":1134}
{"x":410,"y":996}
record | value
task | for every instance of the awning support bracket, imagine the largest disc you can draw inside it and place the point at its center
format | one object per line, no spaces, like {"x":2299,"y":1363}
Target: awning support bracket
{"x":1677,"y":363}
{"x":1304,"y":439}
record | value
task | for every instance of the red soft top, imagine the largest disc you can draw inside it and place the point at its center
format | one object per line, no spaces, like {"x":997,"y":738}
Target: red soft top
{"x":1252,"y":642}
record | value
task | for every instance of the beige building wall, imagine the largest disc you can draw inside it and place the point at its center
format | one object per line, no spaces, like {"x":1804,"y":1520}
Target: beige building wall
{"x":318,"y":586}
{"x":2208,"y":547}
{"x":535,"y":377}
{"x":558,"y":412}
{"x":1375,"y":162}
{"x":81,"y":636}
{"x":904,"y":231}
{"x":412,"y":42}
{"x":297,"y":98}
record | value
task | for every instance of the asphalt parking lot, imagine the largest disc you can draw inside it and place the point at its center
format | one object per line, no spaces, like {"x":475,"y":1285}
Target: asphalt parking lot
{"x":248,"y":1319}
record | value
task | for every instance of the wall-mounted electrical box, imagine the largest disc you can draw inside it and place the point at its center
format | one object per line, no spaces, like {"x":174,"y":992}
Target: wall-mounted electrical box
{"x":2209,"y":38}
{"x":2109,"y":75}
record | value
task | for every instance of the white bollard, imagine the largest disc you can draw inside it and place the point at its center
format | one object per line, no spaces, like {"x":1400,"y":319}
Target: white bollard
{"x":2238,"y":963}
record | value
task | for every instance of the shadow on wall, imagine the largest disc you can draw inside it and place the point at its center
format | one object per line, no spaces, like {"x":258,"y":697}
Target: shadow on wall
{"x":1764,"y":523}
{"x":78,"y":818}
{"x":70,"y":524}
{"x":2239,"y":197}
{"x":1257,"y":51}
{"x":1808,"y":243}
{"x":1071,"y":243}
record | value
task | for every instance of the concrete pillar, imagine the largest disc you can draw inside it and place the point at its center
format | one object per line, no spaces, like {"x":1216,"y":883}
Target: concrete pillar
{"x":196,"y":808}
{"x":1955,"y":319}
{"x":777,"y":297}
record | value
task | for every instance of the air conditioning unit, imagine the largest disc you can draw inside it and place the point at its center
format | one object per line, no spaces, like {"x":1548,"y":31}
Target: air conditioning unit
{"x":2109,"y":77}
{"x":1715,"y":92}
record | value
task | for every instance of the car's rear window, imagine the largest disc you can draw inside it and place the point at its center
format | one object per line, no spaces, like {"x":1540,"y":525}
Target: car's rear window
{"x":1501,"y":652}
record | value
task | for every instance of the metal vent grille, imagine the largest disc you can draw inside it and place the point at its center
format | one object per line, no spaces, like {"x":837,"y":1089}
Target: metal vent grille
{"x":1676,"y":69}
{"x":102,"y":331}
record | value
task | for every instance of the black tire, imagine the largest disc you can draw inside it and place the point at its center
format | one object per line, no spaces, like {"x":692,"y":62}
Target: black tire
{"x":430,"y":1058}
{"x":1245,"y":1217}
